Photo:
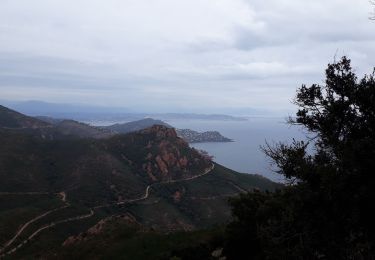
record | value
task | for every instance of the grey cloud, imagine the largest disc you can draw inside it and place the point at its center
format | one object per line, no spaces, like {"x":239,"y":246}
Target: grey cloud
{"x":30,"y":71}
{"x":176,"y":53}
{"x":207,"y":46}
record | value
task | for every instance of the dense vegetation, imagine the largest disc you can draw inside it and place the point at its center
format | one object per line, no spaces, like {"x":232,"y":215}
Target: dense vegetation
{"x":328,"y":210}
{"x":73,"y":181}
{"x":120,"y":239}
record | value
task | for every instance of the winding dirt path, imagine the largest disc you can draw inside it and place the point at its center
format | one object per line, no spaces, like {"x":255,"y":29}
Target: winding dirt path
{"x":52,"y":224}
{"x":24,"y":226}
{"x":147,"y":191}
{"x":92,"y":212}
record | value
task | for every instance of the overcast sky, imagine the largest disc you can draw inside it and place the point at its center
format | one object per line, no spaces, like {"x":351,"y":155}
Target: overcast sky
{"x":177,"y":55}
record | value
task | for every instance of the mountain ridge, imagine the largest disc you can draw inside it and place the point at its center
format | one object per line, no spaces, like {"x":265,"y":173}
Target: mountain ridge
{"x":67,"y":185}
{"x":188,"y":135}
{"x":12,"y":119}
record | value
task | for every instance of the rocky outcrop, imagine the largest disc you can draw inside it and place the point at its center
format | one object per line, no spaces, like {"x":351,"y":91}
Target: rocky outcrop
{"x":170,"y":157}
{"x":162,"y":165}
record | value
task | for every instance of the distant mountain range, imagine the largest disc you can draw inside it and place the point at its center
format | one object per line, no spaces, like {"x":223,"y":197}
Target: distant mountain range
{"x":88,"y":113}
{"x":36,"y":108}
{"x":61,"y":179}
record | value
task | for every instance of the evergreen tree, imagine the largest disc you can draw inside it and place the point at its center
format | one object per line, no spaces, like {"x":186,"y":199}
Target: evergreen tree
{"x":327,"y":210}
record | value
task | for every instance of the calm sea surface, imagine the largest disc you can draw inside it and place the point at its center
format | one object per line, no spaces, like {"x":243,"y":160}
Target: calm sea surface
{"x":244,"y":154}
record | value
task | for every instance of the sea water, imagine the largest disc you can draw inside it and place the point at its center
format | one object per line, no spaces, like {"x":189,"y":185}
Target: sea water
{"x":245,"y":154}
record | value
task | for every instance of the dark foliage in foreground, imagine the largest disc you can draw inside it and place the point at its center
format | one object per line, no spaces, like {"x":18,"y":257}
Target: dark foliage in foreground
{"x":328,"y":210}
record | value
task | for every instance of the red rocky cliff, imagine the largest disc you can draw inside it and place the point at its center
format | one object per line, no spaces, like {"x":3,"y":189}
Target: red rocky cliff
{"x":170,"y":157}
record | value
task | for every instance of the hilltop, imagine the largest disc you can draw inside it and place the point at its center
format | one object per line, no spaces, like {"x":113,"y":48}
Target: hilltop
{"x":47,"y":127}
{"x":137,"y":125}
{"x":188,"y":135}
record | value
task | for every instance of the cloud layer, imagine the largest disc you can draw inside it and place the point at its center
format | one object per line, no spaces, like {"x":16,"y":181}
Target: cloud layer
{"x":188,"y":55}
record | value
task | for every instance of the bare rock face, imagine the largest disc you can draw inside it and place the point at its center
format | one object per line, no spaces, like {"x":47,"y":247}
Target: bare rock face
{"x":170,"y":157}
{"x":162,"y":165}
{"x":159,"y":154}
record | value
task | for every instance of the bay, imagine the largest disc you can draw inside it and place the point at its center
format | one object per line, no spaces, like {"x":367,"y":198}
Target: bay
{"x":244,"y":154}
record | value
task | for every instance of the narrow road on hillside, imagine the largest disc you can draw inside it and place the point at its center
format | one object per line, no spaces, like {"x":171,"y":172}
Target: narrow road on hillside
{"x":147,"y":191}
{"x":63,"y":198}
{"x":24,"y":226}
{"x":52,"y":224}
